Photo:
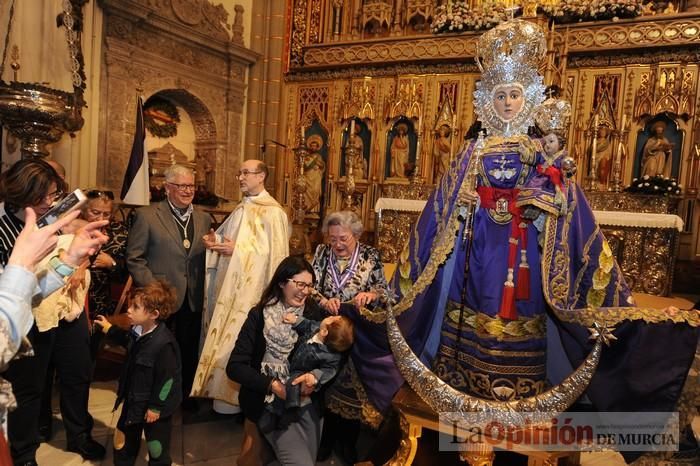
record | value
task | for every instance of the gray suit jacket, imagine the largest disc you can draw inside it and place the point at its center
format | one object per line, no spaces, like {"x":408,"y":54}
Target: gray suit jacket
{"x":154,"y":251}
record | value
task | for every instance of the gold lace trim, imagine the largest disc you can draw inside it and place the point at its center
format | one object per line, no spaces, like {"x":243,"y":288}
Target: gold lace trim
{"x":524,"y":328}
{"x":483,"y":386}
{"x":556,"y":292}
{"x":444,"y":245}
{"x":361,"y":409}
{"x":489,"y":368}
{"x":493,"y":352}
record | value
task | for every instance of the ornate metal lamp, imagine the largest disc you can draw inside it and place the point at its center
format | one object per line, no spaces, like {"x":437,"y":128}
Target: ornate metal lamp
{"x":621,"y":139}
{"x":36,"y":114}
{"x":352,"y":152}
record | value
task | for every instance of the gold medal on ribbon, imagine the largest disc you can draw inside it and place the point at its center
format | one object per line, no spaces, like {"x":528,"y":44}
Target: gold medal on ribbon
{"x":186,"y":243}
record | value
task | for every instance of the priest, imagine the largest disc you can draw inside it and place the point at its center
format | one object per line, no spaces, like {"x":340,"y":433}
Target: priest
{"x":242,"y":255}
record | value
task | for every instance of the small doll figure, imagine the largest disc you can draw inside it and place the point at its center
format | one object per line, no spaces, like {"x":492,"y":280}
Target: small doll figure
{"x":552,"y":118}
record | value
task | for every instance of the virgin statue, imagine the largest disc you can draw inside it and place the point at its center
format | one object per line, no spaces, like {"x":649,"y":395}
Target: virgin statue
{"x":493,"y":307}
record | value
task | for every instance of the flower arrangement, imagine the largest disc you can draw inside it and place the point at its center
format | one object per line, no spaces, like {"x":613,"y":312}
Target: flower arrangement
{"x":571,"y":11}
{"x":459,"y":17}
{"x":659,"y":185}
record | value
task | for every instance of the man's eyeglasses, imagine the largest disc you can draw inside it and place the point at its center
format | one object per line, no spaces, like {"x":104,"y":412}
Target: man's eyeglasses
{"x":96,"y":193}
{"x":302,"y":286}
{"x":182,"y":187}
{"x":245,"y":173}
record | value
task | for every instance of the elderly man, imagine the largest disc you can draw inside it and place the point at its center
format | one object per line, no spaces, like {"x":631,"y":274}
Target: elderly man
{"x":165,"y":243}
{"x":241,"y":258}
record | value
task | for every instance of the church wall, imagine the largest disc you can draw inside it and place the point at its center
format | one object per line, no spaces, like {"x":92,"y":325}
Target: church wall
{"x":201,"y":67}
{"x":88,"y":161}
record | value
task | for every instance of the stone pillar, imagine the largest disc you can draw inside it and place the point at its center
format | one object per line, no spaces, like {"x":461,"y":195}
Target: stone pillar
{"x":265,"y":89}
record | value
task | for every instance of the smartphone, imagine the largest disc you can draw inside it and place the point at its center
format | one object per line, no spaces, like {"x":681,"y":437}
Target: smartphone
{"x":68,"y":204}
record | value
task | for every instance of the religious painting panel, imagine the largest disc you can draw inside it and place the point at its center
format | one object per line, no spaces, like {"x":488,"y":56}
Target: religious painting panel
{"x":658,"y":150}
{"x":315,"y":172}
{"x":357,"y":133}
{"x":402,"y":141}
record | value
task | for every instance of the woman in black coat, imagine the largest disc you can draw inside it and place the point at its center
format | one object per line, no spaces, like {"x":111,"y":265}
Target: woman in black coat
{"x":258,"y":363}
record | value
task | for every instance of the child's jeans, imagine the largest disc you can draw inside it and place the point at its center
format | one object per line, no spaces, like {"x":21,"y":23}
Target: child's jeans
{"x":127,"y":441}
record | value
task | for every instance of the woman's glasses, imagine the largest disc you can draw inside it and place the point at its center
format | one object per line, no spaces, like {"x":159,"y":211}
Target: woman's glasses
{"x":302,"y":286}
{"x":96,"y":193}
{"x":54,"y":196}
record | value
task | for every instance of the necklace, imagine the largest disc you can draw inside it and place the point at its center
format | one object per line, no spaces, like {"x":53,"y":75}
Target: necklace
{"x":185,"y":242}
{"x":349,"y":270}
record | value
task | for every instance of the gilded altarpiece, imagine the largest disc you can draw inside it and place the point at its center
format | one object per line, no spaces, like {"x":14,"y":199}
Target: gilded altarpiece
{"x":629,"y":72}
{"x":435,"y":117}
{"x":181,"y":50}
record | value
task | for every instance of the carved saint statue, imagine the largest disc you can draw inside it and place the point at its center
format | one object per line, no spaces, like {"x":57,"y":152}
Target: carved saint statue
{"x":604,"y":156}
{"x":442,"y":151}
{"x":399,"y":151}
{"x":656,"y":155}
{"x":359,"y":163}
{"x":314,"y":168}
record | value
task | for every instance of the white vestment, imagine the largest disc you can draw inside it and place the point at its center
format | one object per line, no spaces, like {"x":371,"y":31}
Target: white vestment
{"x":234,"y":284}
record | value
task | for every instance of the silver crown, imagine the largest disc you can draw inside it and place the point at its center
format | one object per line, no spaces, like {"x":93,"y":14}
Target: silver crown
{"x":553,"y":116}
{"x":510,"y":55}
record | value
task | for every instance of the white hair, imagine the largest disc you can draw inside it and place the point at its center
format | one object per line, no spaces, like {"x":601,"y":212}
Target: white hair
{"x":173,"y":170}
{"x":345,"y":219}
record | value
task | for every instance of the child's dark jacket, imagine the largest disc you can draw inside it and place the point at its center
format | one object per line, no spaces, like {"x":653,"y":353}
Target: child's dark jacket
{"x":152,"y":375}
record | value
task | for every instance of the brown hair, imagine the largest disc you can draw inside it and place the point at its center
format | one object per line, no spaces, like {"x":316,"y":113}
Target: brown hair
{"x":156,"y":296}
{"x":27,"y":182}
{"x":340,"y":334}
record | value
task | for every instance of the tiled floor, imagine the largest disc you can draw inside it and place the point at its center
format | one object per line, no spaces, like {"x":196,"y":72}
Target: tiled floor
{"x":204,"y":439}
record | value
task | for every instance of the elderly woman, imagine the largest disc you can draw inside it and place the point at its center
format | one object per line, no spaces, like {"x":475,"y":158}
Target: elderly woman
{"x":260,"y":363}
{"x":346,"y":269}
{"x":108,"y":265}
{"x":352,"y":273}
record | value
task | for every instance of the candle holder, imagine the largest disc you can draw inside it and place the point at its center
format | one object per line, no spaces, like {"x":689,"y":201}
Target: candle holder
{"x":592,"y":180}
{"x":621,"y":136}
{"x":351,"y":153}
{"x":299,"y":186}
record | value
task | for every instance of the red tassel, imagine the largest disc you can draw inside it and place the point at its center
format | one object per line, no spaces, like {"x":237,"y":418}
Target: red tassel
{"x":523,"y":282}
{"x":508,"y":310}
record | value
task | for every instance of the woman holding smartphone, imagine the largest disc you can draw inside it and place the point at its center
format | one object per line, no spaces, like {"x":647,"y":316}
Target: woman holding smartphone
{"x":34,"y":183}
